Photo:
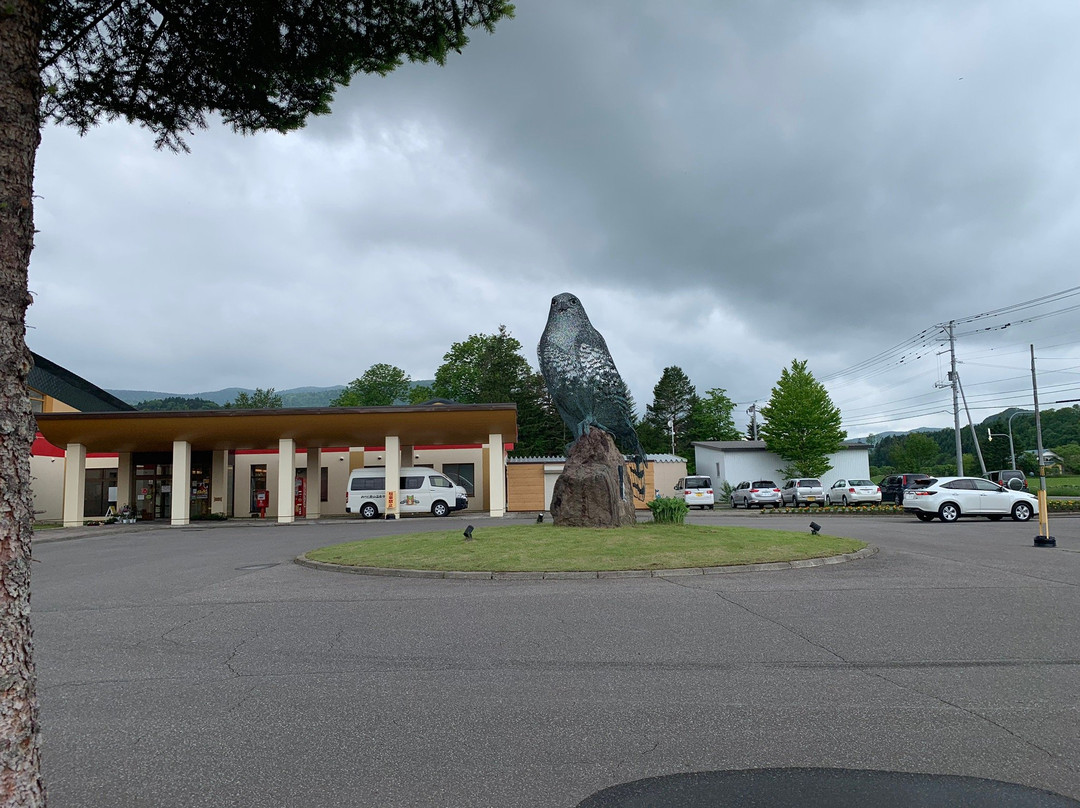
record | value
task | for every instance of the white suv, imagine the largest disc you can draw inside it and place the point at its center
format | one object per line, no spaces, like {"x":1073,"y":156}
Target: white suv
{"x":949,"y":498}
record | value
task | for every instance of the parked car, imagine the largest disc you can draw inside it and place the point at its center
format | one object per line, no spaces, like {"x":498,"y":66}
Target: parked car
{"x":853,"y":492}
{"x":803,"y":491}
{"x":697,"y":492}
{"x":1009,"y":478}
{"x":758,"y":492}
{"x":894,"y":486}
{"x":949,"y":498}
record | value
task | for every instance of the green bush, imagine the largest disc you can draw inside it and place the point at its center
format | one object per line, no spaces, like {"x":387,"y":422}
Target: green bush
{"x":669,"y":510}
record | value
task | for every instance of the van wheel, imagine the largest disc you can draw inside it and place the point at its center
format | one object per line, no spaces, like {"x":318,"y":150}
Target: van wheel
{"x":440,"y":508}
{"x":368,"y":510}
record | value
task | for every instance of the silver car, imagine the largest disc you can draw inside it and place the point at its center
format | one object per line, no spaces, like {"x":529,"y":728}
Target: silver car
{"x":853,"y":492}
{"x":803,"y":491}
{"x":756,"y":492}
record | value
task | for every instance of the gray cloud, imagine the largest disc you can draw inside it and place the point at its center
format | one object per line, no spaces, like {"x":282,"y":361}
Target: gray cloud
{"x":726,"y":189}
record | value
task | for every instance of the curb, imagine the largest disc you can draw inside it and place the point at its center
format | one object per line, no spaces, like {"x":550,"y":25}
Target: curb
{"x":461,"y":575}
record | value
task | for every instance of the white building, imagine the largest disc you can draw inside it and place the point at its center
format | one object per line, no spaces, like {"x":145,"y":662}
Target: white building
{"x":735,"y":461}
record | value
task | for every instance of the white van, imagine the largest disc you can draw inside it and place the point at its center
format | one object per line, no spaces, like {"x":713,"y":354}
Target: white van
{"x":420,"y":490}
{"x":696,"y":491}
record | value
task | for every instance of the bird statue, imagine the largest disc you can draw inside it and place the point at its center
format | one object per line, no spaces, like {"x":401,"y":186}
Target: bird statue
{"x":583,"y":381}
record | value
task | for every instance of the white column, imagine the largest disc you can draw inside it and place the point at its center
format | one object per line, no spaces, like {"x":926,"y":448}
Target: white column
{"x":219,"y":482}
{"x":123,"y":482}
{"x":74,"y":484}
{"x":286,"y":479}
{"x":393,"y":476}
{"x":314,"y":483}
{"x":496,"y":471}
{"x":181,"y":482}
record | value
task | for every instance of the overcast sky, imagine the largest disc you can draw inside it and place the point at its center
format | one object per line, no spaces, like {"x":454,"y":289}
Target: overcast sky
{"x":725,"y":186}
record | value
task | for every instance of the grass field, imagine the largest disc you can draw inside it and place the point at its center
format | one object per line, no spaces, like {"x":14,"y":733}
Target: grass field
{"x":1065,"y":486}
{"x":546,"y":548}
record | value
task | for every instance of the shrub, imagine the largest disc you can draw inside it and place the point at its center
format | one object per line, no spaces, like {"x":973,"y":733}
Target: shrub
{"x":669,"y":510}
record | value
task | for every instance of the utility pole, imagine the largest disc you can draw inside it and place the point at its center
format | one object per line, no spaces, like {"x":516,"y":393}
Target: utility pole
{"x":1044,"y":539}
{"x":954,"y":382}
{"x":752,"y":409}
{"x":974,"y":437}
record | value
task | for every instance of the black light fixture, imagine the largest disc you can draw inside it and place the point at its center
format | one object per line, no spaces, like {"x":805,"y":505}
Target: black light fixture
{"x":814,"y":528}
{"x":539,"y":518}
{"x":468,"y":533}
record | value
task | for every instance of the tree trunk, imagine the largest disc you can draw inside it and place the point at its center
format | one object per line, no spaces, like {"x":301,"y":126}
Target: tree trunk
{"x":20,"y":96}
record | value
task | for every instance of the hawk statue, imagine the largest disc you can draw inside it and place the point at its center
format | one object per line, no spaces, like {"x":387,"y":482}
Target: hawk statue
{"x":583,"y":381}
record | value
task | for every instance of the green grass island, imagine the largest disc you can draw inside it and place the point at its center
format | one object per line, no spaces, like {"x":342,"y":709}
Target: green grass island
{"x":547,"y":548}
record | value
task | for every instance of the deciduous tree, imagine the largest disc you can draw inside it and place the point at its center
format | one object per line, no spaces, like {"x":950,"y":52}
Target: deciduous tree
{"x":380,"y":386}
{"x":259,"y":400}
{"x":802,"y":425}
{"x":166,"y":66}
{"x":712,"y":417}
{"x":915,"y":453}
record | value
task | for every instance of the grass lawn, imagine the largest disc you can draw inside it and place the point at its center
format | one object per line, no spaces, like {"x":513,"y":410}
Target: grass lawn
{"x":546,"y":548}
{"x":1064,"y":486}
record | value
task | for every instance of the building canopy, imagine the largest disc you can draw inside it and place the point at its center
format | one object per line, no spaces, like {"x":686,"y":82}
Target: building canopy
{"x":215,"y":430}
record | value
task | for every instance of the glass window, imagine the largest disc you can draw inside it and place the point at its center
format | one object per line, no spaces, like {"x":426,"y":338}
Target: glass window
{"x":439,"y":481}
{"x":962,"y":485}
{"x":367,"y":483}
{"x":462,"y":474}
{"x":411,"y":483}
{"x":986,"y":485}
{"x":324,"y":484}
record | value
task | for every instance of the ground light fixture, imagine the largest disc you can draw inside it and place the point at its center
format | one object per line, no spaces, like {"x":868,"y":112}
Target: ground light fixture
{"x":814,"y":528}
{"x":468,"y":533}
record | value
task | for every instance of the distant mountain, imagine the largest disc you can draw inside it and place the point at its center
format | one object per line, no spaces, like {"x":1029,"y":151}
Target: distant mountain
{"x":294,"y":397}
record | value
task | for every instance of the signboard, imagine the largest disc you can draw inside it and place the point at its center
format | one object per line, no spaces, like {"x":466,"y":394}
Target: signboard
{"x":391,"y":500}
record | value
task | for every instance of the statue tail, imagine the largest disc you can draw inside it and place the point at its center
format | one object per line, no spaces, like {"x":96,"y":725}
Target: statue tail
{"x":630,"y":441}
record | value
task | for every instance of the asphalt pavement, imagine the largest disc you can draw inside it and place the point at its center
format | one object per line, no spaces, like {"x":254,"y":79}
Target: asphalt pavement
{"x":199,"y":666}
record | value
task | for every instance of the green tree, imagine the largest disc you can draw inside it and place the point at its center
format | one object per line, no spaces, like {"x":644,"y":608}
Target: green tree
{"x":712,"y":418}
{"x":1070,"y":456}
{"x":482,"y":369}
{"x":257,"y":66}
{"x":672,"y":408}
{"x":259,"y":400}
{"x":380,"y":386}
{"x":420,"y":393}
{"x":490,"y":369}
{"x":177,"y":404}
{"x":802,"y":425}
{"x":915,"y":453}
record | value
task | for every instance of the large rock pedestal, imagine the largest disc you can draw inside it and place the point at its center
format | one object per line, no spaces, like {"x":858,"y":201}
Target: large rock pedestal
{"x":593,"y":490}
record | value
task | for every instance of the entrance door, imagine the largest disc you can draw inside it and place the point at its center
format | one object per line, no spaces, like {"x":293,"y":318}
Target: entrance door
{"x":153,"y":490}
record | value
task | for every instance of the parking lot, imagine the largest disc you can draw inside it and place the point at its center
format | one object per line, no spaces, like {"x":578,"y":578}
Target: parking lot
{"x":198,"y":666}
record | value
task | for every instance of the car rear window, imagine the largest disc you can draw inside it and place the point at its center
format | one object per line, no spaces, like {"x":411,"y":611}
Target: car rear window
{"x":763,"y":484}
{"x":859,"y":482}
{"x":809,"y":483}
{"x":698,"y":482}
